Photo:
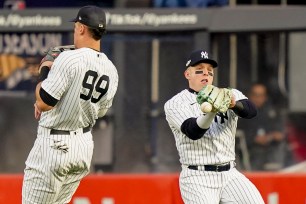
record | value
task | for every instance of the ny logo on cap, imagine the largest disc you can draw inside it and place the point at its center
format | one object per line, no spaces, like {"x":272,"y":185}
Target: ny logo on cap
{"x":204,"y":55}
{"x":80,"y":18}
{"x":100,"y":25}
{"x":187,"y":64}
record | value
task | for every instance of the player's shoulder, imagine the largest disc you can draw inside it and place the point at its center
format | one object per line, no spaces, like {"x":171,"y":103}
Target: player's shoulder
{"x":106,"y":59}
{"x":177,"y":99}
{"x":178,"y":96}
{"x":108,"y":64}
{"x":70,"y":55}
{"x":236,"y":91}
{"x":238,"y":94}
{"x":76,"y":52}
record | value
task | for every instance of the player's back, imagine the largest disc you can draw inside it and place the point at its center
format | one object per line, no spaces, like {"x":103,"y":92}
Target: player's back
{"x":86,"y":81}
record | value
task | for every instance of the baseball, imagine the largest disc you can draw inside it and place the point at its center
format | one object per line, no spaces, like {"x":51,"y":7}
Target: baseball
{"x":206,"y":107}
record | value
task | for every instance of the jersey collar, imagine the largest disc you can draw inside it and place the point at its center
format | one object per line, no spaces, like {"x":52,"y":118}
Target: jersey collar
{"x":192,"y":91}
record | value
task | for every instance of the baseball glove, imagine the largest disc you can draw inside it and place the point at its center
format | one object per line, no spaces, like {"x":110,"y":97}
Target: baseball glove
{"x":220,"y":98}
{"x":223,"y":100}
{"x":53,"y":52}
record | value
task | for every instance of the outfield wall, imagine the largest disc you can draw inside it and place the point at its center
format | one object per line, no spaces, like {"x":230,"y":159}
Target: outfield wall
{"x":276,"y":188}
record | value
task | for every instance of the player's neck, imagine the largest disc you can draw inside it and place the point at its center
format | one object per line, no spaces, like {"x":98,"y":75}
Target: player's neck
{"x":95,"y":45}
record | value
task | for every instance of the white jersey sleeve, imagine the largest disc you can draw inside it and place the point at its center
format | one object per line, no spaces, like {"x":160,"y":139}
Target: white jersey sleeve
{"x":182,"y":102}
{"x":238,"y":95}
{"x":62,"y":74}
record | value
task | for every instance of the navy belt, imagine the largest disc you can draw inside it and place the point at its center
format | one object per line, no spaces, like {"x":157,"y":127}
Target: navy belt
{"x":67,"y":132}
{"x":217,"y":168}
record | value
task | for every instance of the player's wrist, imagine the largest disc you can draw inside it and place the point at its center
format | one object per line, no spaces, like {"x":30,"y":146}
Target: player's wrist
{"x":204,"y":121}
{"x":43,"y":73}
{"x":45,"y":63}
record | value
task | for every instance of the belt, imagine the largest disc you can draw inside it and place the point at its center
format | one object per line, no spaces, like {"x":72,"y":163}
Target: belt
{"x":67,"y":132}
{"x":217,"y":168}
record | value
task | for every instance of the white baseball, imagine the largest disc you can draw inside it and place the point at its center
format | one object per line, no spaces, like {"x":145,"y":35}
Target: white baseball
{"x":206,"y":107}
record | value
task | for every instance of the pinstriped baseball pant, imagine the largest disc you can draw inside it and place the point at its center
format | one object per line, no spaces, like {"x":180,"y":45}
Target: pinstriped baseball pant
{"x":55,"y":166}
{"x":208,"y":187}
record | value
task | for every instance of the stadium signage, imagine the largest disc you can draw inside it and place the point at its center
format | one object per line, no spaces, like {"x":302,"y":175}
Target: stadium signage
{"x":227,"y":19}
{"x":28,"y":43}
{"x":16,"y":20}
{"x":117,"y":20}
{"x":151,"y":19}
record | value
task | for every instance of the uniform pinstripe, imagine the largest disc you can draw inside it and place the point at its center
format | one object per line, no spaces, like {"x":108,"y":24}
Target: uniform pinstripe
{"x":217,"y":146}
{"x":72,"y":112}
{"x":57,"y":163}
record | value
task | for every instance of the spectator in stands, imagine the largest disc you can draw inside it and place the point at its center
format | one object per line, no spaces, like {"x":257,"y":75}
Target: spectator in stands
{"x":264,"y":134}
{"x":189,"y":3}
{"x":14,"y":4}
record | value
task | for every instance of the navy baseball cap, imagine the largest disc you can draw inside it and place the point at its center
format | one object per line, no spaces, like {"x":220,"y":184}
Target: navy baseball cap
{"x":199,"y":56}
{"x":91,"y":16}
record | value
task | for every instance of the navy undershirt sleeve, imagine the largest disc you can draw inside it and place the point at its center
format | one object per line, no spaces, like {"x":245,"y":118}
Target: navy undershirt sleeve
{"x":245,"y":109}
{"x":191,"y":129}
{"x":47,"y":98}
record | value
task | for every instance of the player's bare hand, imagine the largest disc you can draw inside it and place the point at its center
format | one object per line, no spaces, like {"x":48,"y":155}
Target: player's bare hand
{"x":233,"y":102}
{"x":37,"y":112}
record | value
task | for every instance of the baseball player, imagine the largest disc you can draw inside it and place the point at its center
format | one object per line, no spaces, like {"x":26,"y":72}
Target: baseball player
{"x":206,"y":140}
{"x":76,"y":89}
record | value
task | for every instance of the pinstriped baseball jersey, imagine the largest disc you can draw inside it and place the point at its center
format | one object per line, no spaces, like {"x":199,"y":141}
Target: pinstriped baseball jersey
{"x":80,"y":88}
{"x":86,"y":81}
{"x":217,"y":144}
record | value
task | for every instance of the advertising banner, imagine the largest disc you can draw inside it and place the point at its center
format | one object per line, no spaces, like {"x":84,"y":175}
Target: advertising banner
{"x":20,"y":55}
